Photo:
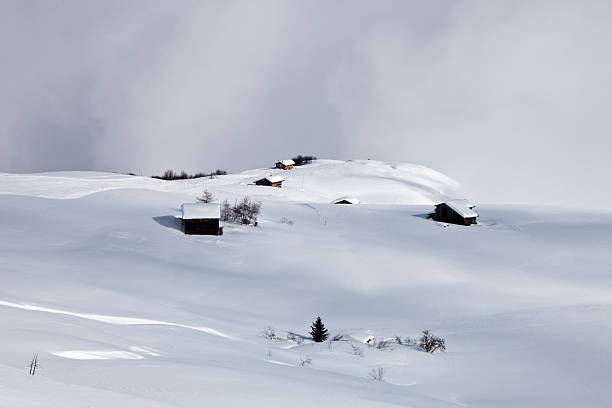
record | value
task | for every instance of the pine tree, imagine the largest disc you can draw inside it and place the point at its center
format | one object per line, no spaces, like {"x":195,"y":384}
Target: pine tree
{"x":318,"y":331}
{"x":207,"y":196}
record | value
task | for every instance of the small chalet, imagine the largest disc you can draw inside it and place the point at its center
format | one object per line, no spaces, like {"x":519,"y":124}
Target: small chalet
{"x":285,"y":164}
{"x":201,"y":218}
{"x":271,"y":181}
{"x":459,"y":211}
{"x":346,"y":200}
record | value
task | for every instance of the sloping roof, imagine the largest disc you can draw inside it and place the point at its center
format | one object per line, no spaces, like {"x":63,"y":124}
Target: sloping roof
{"x":462,"y":207}
{"x":198,"y":211}
{"x":351,"y":200}
{"x":287,"y":162}
{"x":273,"y":179}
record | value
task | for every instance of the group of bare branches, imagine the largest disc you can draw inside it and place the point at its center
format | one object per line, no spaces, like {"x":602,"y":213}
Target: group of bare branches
{"x":243,"y":212}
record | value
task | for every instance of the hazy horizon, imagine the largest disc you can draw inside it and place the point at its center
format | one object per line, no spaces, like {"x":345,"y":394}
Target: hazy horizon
{"x":508,"y":98}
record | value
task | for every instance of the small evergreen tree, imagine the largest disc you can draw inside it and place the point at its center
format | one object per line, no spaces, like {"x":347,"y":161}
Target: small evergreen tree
{"x":318,"y":331}
{"x":207,"y":196}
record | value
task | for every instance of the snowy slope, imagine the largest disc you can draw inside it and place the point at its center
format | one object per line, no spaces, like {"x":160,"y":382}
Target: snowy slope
{"x":373,"y":182}
{"x":125,"y":310}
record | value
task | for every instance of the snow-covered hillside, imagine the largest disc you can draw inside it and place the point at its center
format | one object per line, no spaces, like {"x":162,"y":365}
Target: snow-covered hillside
{"x":125,"y":310}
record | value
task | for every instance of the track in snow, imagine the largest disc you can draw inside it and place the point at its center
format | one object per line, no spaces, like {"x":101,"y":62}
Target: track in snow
{"x":113,"y":319}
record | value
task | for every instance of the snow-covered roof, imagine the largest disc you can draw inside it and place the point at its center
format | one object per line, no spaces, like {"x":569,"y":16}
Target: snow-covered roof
{"x":351,"y":200}
{"x":463,"y":207}
{"x":287,"y":162}
{"x":198,"y":211}
{"x":274,"y":179}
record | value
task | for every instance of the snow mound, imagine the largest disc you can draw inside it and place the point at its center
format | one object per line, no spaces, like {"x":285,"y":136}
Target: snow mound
{"x":370,"y":181}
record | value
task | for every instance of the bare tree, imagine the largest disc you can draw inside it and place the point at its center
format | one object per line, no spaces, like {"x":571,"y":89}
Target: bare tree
{"x":270,"y":334}
{"x":377,"y":374}
{"x":305,"y":361}
{"x":383,"y":344}
{"x":357,"y":351}
{"x":34,"y":364}
{"x":243,"y":212}
{"x":206,"y":197}
{"x":430,"y":343}
{"x":295,"y":337}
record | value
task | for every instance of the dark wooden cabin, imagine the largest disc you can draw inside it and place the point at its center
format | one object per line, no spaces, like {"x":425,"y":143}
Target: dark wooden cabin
{"x":271,"y":181}
{"x":285,"y":164}
{"x":201,"y":218}
{"x":346,"y":200}
{"x":459,"y":211}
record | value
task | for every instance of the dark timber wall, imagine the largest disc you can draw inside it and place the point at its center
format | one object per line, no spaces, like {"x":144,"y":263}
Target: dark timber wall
{"x":202,"y":227}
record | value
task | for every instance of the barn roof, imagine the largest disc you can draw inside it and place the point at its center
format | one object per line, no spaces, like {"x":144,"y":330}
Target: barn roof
{"x":463,"y":207}
{"x":198,"y":211}
{"x":273,"y":179}
{"x":351,"y":200}
{"x":287,"y":162}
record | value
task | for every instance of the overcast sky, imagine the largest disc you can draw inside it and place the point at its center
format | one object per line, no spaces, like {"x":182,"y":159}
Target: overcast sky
{"x":512,"y":99}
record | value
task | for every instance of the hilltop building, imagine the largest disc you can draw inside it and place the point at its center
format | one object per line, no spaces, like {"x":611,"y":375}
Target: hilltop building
{"x":285,"y":164}
{"x":271,"y":181}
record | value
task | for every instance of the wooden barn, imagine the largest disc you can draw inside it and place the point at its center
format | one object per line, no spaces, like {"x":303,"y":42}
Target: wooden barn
{"x":346,"y":200}
{"x":271,"y":181}
{"x":201,"y":218}
{"x":285,"y":164}
{"x":459,"y":211}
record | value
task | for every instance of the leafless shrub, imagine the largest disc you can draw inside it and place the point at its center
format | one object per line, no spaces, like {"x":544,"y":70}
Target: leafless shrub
{"x":377,"y":374}
{"x":383,"y":344}
{"x":244,"y":212}
{"x":406,"y":341}
{"x":305,"y":361}
{"x":300,"y":160}
{"x":430,"y":343}
{"x":340,"y":337}
{"x":206,"y":197}
{"x":171,"y":175}
{"x":285,"y":220}
{"x":270,"y":334}
{"x":357,"y":351}
{"x":34,"y":364}
{"x":295,"y":337}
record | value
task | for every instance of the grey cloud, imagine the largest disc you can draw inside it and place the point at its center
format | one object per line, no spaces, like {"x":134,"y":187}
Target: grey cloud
{"x":507,"y":97}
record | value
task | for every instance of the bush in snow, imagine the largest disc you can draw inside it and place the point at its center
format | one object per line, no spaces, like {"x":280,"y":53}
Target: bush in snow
{"x":291,"y":336}
{"x":206,"y":197}
{"x":383,"y":344}
{"x":305,"y":361}
{"x":171,"y":175}
{"x":318,"y":331}
{"x":430,"y":343}
{"x":406,"y":341}
{"x":301,"y":160}
{"x":357,"y":351}
{"x":339,"y":337}
{"x":244,"y":212}
{"x":270,"y":334}
{"x":285,"y":220}
{"x":377,"y":374}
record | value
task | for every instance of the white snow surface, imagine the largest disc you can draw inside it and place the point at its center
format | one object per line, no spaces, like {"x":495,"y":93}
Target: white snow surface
{"x":126,"y":310}
{"x":191,"y":211}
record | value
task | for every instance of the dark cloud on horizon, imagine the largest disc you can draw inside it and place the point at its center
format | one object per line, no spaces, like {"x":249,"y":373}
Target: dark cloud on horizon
{"x":509,"y":98}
